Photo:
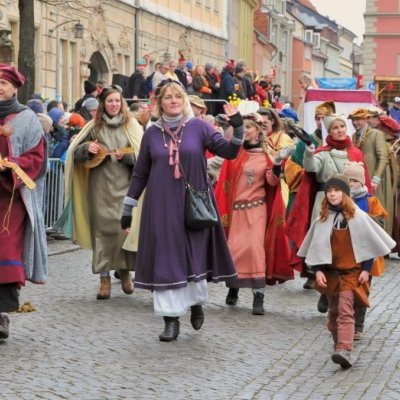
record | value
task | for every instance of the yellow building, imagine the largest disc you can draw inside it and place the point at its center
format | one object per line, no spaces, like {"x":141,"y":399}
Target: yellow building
{"x":117,"y":32}
{"x":198,"y":28}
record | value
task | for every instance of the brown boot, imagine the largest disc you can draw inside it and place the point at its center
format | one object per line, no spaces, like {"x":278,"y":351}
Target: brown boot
{"x":105,"y":288}
{"x":126,"y":281}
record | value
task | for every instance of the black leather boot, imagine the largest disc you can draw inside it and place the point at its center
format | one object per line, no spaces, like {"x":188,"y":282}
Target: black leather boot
{"x":322,"y":304}
{"x":197,"y":317}
{"x":258,"y":304}
{"x":171,"y":330}
{"x":232,"y":297}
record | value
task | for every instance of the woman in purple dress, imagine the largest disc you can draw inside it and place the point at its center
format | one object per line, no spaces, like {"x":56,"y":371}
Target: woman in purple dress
{"x":172,"y":261}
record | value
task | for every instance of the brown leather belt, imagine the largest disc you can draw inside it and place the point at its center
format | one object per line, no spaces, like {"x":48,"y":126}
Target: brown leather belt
{"x":248,"y":204}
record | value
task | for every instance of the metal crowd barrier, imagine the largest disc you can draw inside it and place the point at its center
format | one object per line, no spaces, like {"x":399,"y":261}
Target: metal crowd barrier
{"x":54,"y":192}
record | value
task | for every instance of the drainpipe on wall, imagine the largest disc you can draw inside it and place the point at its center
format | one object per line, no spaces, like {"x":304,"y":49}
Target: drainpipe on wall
{"x":137,"y":31}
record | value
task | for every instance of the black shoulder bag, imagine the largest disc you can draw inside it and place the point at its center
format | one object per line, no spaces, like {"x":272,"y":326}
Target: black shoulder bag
{"x":200,"y":212}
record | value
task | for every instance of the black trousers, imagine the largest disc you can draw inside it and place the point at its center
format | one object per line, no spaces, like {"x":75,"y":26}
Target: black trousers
{"x":9,"y":297}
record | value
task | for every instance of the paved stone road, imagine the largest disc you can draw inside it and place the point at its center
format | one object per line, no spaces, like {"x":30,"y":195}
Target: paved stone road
{"x":75,"y":347}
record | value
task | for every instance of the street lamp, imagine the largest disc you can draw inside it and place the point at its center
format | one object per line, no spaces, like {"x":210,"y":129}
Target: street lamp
{"x":78,"y":34}
{"x":78,"y":28}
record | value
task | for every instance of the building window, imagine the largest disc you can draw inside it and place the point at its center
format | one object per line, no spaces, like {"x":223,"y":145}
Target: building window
{"x":308,"y":35}
{"x":207,"y":4}
{"x":198,"y":3}
{"x":274,"y":33}
{"x":317,"y":40}
{"x":284,"y":42}
{"x":268,"y":3}
{"x":283,"y":6}
{"x":216,"y":6}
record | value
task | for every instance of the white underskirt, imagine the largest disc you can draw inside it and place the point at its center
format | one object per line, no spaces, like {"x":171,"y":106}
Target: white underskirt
{"x":176,"y":302}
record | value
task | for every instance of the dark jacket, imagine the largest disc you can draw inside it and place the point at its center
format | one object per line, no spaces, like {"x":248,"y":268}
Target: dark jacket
{"x":136,"y":86}
{"x":182,"y":76}
{"x":227,"y":87}
{"x":78,"y":104}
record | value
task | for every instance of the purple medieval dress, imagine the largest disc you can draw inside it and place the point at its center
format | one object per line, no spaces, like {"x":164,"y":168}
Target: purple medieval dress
{"x":169,"y":256}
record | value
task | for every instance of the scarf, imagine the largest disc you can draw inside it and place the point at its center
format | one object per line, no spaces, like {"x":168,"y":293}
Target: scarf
{"x":175,"y":139}
{"x":10,"y":106}
{"x":338,"y":221}
{"x":360,"y":197}
{"x":113,"y":122}
{"x":338,"y":144}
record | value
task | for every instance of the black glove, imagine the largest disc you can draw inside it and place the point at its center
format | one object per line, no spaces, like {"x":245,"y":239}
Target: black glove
{"x":303,"y":136}
{"x":126,"y":221}
{"x":236,"y":120}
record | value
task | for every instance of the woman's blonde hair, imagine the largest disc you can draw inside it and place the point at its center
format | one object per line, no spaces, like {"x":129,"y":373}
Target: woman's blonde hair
{"x":348,"y":208}
{"x":175,"y":88}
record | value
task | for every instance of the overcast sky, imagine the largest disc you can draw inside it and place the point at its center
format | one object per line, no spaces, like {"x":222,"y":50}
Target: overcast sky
{"x":348,"y":13}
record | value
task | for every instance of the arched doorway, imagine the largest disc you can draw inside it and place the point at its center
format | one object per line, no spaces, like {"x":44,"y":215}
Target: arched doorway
{"x":98,"y":68}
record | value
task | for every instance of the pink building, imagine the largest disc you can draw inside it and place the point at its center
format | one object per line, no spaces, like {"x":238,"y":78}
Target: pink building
{"x":382,"y":47}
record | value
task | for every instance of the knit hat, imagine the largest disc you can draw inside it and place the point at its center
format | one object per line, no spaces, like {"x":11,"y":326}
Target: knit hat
{"x":208,"y":66}
{"x":355,"y":170}
{"x":330,"y":119}
{"x":89,"y":87}
{"x":35,"y":105}
{"x":12,"y":75}
{"x":76,"y":120}
{"x":289,"y":113}
{"x":340,"y":181}
{"x":55,"y":114}
{"x":360,"y":113}
{"x":325,"y":108}
{"x":141,"y":62}
{"x":45,"y":121}
{"x":189,"y":65}
{"x":197,"y":101}
{"x":396,"y":100}
{"x":91,"y":104}
{"x":239,"y":69}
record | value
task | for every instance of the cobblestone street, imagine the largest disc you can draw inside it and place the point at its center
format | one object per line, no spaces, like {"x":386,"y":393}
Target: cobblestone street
{"x":76,"y":347}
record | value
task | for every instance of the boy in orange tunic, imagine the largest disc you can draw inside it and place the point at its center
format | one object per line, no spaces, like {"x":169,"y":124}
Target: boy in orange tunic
{"x":341,"y":246}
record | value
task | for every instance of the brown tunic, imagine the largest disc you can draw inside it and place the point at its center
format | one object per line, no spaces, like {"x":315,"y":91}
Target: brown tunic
{"x":344,"y":272}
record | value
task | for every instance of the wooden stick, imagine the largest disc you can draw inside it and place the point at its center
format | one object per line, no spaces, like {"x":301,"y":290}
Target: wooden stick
{"x":29,"y":183}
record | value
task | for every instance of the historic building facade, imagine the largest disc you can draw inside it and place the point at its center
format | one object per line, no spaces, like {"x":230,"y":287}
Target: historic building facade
{"x":113,"y":34}
{"x":382,"y":47}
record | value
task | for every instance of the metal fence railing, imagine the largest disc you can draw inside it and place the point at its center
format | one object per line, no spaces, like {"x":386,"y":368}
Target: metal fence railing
{"x":54,"y":192}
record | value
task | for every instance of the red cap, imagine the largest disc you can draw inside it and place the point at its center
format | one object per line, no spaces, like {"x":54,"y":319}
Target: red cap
{"x":181,"y":56}
{"x":12,"y":75}
{"x":390,"y":124}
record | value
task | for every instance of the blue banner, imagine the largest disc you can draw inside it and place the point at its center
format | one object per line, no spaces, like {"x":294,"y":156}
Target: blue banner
{"x":337,"y":83}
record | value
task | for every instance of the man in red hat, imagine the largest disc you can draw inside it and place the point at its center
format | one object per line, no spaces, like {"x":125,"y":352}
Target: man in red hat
{"x":180,"y":70}
{"x":23,"y":251}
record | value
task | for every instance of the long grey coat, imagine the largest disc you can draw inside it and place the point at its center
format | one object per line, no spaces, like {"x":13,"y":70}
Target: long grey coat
{"x":27,"y":134}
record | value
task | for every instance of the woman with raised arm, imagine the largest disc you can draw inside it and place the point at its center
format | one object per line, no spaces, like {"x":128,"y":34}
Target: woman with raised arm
{"x":173,"y":261}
